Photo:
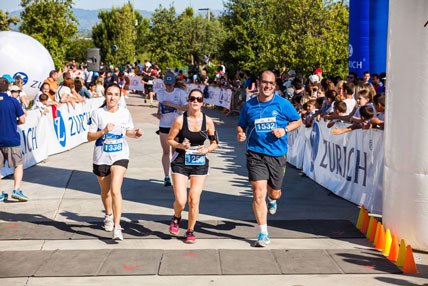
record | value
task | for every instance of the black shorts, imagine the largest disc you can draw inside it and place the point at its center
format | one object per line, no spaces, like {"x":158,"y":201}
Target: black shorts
{"x":148,"y":88}
{"x":178,"y":166}
{"x":163,"y":130}
{"x":265,"y":167}
{"x":104,"y":170}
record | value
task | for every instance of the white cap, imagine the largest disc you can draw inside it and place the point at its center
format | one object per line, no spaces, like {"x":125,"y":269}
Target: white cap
{"x":314,"y":78}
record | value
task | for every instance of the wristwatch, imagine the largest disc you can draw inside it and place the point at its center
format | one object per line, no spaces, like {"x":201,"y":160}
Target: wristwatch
{"x":286,"y":130}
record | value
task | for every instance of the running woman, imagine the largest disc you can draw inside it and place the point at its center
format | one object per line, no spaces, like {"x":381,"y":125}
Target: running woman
{"x":189,"y":161}
{"x":108,"y":125}
{"x":267,"y":118}
{"x":172,"y":102}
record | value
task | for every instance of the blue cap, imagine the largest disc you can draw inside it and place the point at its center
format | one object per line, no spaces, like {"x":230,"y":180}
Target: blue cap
{"x":8,"y":77}
{"x":169,"y":78}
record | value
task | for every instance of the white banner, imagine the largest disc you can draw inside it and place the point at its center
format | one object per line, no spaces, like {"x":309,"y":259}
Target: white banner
{"x":55,"y":132}
{"x":350,"y":165}
{"x":157,"y":84}
{"x":296,"y":146}
{"x":135,"y":83}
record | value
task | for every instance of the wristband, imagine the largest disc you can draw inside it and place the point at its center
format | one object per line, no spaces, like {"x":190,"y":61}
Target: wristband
{"x":286,"y":130}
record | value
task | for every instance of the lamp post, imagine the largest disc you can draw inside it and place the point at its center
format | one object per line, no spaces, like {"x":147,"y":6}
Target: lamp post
{"x":208,"y":12}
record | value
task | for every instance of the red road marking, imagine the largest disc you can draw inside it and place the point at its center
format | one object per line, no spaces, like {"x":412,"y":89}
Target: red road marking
{"x":130,"y":267}
{"x":191,"y":254}
{"x":338,"y":232}
{"x":147,"y":233}
{"x":12,"y":226}
{"x":368,"y":266}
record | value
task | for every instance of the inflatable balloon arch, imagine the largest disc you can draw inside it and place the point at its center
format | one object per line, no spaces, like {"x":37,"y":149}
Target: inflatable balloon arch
{"x":384,"y":35}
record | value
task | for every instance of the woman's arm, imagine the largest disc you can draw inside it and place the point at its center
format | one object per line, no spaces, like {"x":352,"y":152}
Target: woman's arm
{"x":137,"y":133}
{"x":173,"y":132}
{"x":95,"y":135}
{"x":211,"y":133}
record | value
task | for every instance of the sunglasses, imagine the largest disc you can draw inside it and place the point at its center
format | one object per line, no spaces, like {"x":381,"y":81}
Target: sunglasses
{"x":193,"y":98}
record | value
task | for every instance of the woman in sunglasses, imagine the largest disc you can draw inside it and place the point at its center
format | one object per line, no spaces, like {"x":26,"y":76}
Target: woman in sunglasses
{"x":189,"y":160}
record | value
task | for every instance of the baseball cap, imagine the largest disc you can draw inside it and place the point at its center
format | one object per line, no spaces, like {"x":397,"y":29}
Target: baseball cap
{"x":318,"y":70}
{"x":169,"y":78}
{"x":314,"y":78}
{"x":292,"y":73}
{"x":8,"y":77}
{"x":15,"y":88}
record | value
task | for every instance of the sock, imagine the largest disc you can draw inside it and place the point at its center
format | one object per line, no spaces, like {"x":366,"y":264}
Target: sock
{"x":108,"y":215}
{"x":263,"y":228}
{"x":178,"y":218}
{"x":117,"y":226}
{"x":270,"y":200}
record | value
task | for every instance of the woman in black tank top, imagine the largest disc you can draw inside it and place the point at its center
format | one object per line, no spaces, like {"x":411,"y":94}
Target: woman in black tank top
{"x":192,"y":129}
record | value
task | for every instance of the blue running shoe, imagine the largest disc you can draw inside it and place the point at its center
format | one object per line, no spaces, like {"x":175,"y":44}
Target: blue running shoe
{"x":17,"y":194}
{"x":272,"y":207}
{"x":3,"y":196}
{"x":263,"y":239}
{"x":167,"y":181}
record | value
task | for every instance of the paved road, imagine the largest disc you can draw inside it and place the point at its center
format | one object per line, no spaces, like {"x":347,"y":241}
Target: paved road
{"x":65,"y":203}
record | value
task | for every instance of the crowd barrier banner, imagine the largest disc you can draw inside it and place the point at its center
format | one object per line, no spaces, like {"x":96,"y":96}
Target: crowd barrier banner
{"x":350,"y":165}
{"x":135,"y":83}
{"x":55,"y":132}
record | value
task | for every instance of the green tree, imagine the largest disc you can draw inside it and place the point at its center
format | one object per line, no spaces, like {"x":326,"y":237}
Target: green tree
{"x":76,"y":50}
{"x":117,"y":28}
{"x":51,"y":22}
{"x":5,"y":21}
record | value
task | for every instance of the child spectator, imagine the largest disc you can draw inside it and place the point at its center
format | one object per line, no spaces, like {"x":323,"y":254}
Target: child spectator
{"x":92,"y":90}
{"x":339,"y":108}
{"x":364,"y":98}
{"x":366,"y":113}
{"x":22,"y":96}
{"x":41,"y":104}
{"x":379,"y":104}
{"x":308,"y":118}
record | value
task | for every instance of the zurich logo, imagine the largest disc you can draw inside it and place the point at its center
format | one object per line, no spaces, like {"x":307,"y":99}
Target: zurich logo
{"x":351,"y":50}
{"x":59,"y":127}
{"x":314,"y":140}
{"x":274,"y":113}
{"x":24,"y":77}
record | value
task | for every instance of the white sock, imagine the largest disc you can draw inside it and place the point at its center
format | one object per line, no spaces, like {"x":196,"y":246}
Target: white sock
{"x":271,"y":201}
{"x":110,"y":215}
{"x":263,"y":228}
{"x":117,"y":226}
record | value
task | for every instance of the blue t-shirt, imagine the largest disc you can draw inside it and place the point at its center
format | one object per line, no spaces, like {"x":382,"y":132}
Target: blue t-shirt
{"x":10,"y":110}
{"x":276,"y":113}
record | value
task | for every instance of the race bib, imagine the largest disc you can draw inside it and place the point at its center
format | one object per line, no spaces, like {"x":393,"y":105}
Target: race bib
{"x":192,"y":158}
{"x":113,"y":143}
{"x":150,"y":82}
{"x":167,"y":109}
{"x":265,"y":124}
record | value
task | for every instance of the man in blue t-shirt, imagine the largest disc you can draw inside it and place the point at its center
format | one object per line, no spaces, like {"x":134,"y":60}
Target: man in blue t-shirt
{"x":267,"y":119}
{"x":11,"y":114}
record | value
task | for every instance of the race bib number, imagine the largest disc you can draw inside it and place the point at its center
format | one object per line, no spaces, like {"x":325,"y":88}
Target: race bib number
{"x":167,"y":109}
{"x":113,"y":143}
{"x":194,"y":159}
{"x":265,"y":124}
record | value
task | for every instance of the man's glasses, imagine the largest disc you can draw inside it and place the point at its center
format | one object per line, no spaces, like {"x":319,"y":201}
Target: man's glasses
{"x":193,"y":98}
{"x":268,"y":82}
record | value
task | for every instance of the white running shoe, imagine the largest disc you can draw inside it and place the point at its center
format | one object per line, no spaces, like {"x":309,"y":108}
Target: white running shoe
{"x":108,"y":223}
{"x":117,"y":233}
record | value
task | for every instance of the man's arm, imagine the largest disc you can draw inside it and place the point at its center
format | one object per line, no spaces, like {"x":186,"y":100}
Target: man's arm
{"x":21,"y":119}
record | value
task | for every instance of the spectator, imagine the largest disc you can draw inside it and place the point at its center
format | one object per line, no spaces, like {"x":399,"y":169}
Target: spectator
{"x":367,"y":113}
{"x":22,"y":96}
{"x":352,"y":77}
{"x":376,"y":82}
{"x":53,"y":84}
{"x":11,"y":115}
{"x":364,"y":98}
{"x":299,"y":91}
{"x":379,"y":103}
{"x":100,"y":87}
{"x":42,"y":104}
{"x":92,"y":90}
{"x":348,"y":97}
{"x":318,"y":72}
{"x":339,"y":108}
{"x":366,"y":77}
{"x":14,"y":92}
{"x":310,"y":112}
{"x":81,"y":88}
{"x":64,"y":93}
{"x":44,"y":89}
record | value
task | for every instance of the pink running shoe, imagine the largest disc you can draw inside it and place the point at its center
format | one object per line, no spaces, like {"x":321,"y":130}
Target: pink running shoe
{"x":174,"y":228}
{"x":190,"y":236}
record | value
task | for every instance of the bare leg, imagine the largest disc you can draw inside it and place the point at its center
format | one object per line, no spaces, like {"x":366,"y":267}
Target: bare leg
{"x":17,"y":176}
{"x":106,"y":198}
{"x":117,"y":174}
{"x":273,"y":194}
{"x":180,"y":193}
{"x":196,"y":186}
{"x":165,"y":152}
{"x":259,"y":201}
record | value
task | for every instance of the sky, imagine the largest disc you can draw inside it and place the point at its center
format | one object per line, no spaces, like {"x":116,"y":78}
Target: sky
{"x":149,"y":5}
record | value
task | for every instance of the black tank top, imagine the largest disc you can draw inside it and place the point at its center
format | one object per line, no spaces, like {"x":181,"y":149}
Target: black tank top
{"x":195,"y":138}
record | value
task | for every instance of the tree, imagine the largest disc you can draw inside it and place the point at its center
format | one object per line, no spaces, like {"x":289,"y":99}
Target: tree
{"x":76,"y":50}
{"x":117,"y":29}
{"x":5,"y":21}
{"x":51,"y":22}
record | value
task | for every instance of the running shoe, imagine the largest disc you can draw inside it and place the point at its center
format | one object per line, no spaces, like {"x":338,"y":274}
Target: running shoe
{"x":3,"y":196}
{"x":272,"y":207}
{"x":117,"y":233}
{"x":263,"y":239}
{"x":190,"y":236}
{"x":167,"y":181}
{"x":17,"y":194}
{"x":108,"y":223}
{"x":174,"y":228}
{"x":145,"y":100}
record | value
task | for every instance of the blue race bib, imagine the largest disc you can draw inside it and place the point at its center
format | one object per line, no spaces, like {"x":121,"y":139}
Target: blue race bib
{"x":167,"y":109}
{"x":113,"y":143}
{"x":193,"y":159}
{"x":265,"y":124}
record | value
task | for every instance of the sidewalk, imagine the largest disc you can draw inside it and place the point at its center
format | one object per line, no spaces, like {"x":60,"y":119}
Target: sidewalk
{"x":65,"y":211}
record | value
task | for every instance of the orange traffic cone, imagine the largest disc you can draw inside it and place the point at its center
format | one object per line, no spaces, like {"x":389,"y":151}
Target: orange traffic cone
{"x":369,"y":230}
{"x":401,"y":253}
{"x":373,"y":232}
{"x":365,"y":222}
{"x":380,"y":238}
{"x":409,"y":266}
{"x":393,"y":252}
{"x":388,"y":241}
{"x":360,"y":217}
